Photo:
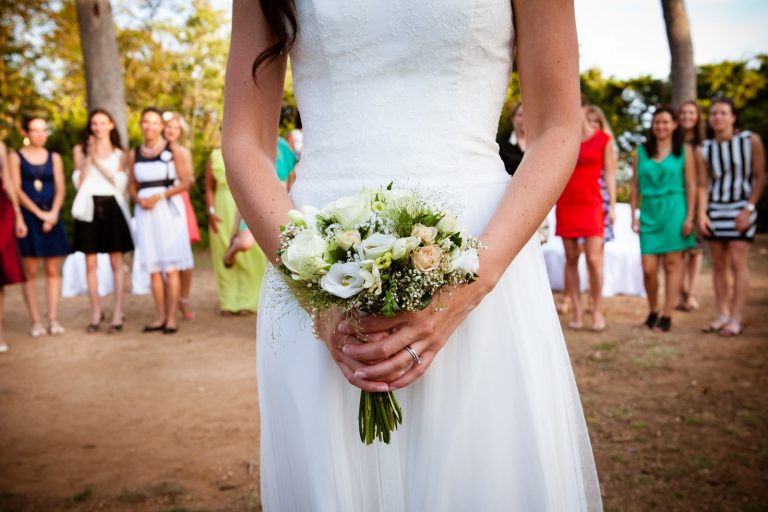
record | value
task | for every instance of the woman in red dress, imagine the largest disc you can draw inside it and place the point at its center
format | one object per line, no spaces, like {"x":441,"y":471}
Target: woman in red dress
{"x":11,"y":225}
{"x":579,"y":215}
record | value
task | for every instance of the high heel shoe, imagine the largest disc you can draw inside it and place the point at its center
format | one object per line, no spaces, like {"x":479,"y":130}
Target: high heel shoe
{"x":91,"y":328}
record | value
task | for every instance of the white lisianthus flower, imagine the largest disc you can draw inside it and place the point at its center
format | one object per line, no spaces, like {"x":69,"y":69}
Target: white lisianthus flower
{"x":343,"y":280}
{"x":466,"y":261}
{"x":371,"y":275}
{"x":376,"y":246}
{"x":424,"y":233}
{"x":350,"y":210}
{"x":304,"y":255}
{"x":403,"y":246}
{"x":310,"y":214}
{"x":448,"y":224}
{"x":347,"y":239}
{"x":427,"y":259}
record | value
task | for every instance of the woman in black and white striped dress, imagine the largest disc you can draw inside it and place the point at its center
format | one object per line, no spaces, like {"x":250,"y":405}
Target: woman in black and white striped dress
{"x":730,"y":186}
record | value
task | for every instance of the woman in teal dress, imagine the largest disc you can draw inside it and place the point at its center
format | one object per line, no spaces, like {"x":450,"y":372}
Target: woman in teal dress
{"x":664,"y":182}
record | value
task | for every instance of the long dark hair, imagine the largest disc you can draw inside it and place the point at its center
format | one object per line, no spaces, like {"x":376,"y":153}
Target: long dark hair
{"x":114,"y":136}
{"x":283,"y":27}
{"x":651,"y":144}
{"x":699,"y":131}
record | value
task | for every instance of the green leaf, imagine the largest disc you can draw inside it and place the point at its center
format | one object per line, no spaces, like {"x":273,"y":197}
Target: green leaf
{"x":390,"y":307}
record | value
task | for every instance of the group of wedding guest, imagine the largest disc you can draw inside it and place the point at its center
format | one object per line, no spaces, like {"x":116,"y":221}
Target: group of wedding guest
{"x":155,"y":176}
{"x":689,"y":188}
{"x":684,"y":179}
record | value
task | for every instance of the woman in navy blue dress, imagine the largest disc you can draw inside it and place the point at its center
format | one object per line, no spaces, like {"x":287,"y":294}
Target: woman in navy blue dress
{"x":39,"y":177}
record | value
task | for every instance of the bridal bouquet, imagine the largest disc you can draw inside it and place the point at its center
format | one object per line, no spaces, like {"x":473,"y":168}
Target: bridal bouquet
{"x":378,"y":252}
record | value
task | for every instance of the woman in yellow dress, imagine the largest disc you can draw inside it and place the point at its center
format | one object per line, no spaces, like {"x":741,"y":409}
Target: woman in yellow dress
{"x":239,"y":285}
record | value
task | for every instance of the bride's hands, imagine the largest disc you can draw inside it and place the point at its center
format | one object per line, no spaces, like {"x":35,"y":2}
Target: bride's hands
{"x":327,"y":328}
{"x":382,"y":357}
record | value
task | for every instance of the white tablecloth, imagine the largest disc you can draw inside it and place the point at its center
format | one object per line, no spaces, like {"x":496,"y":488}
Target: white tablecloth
{"x":73,"y":281}
{"x":622,"y":270}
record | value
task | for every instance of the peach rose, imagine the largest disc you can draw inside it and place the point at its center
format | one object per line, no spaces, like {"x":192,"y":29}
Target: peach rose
{"x":427,"y":259}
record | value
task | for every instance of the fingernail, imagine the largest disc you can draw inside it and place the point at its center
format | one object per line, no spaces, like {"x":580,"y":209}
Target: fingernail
{"x":360,"y":374}
{"x":392,"y":388}
{"x":383,"y":389}
{"x":345,"y":349}
{"x":343,"y":326}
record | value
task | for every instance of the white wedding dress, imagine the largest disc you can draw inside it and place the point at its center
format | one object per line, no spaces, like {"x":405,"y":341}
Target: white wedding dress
{"x":411,"y":91}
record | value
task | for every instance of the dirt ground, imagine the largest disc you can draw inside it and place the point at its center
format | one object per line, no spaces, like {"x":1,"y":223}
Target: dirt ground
{"x":159,"y":423}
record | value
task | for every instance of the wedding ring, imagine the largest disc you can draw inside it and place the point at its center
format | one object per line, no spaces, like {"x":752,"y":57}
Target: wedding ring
{"x":393,"y":330}
{"x":414,"y":355}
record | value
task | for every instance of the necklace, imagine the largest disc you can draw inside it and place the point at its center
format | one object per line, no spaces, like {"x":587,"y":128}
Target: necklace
{"x":150,"y":150}
{"x":37,"y":183}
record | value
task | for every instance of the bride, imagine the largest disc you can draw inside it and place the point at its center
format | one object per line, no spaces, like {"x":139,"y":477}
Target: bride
{"x":411,"y":92}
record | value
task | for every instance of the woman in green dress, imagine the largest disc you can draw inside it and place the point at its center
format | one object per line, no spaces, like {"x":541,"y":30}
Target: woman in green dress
{"x":664,"y":182}
{"x":239,"y":285}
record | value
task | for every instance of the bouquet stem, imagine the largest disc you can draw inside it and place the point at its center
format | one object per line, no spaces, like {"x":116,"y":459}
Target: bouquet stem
{"x":378,"y":417}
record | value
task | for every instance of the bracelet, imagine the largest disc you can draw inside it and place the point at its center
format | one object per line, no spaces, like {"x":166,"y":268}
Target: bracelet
{"x":211,"y":211}
{"x":313,"y":316}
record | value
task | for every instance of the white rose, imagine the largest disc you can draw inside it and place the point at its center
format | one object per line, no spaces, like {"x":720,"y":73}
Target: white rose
{"x":403,"y":246}
{"x":427,"y":259}
{"x":343,"y":280}
{"x":347,"y":239}
{"x":376,"y":246}
{"x":466,"y":262}
{"x":371,"y":275}
{"x":310,"y":218}
{"x":350,"y":211}
{"x":166,"y":156}
{"x":448,"y":224}
{"x":304,"y":255}
{"x":423,"y":233}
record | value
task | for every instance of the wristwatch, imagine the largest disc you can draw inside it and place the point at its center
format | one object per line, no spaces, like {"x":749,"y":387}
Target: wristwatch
{"x":750,"y":207}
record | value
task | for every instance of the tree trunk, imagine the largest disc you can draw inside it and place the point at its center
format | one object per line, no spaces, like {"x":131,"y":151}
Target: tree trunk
{"x":103,"y":75}
{"x":683,"y":75}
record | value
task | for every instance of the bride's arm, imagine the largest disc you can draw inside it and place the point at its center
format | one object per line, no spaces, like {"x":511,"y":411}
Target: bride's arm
{"x":249,"y":130}
{"x":547,"y":50}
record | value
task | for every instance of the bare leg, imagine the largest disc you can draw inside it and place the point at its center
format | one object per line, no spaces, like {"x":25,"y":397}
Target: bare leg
{"x":158,"y":293}
{"x":172,"y":286}
{"x":572,"y":280}
{"x":738,"y":250}
{"x":3,"y":344}
{"x":186,"y":285}
{"x":29,"y":290}
{"x":673,"y":276}
{"x":91,"y":276}
{"x":118,"y":273}
{"x":594,"y":251}
{"x":651,"y":280}
{"x":52,"y":289}
{"x":695,"y":259}
{"x":719,"y":251}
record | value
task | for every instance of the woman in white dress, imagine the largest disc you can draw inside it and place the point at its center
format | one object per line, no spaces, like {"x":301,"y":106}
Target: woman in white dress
{"x":159,"y":173}
{"x":391,"y":91}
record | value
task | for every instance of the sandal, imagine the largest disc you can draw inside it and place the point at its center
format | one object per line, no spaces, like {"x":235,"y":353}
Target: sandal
{"x":91,"y":328}
{"x":113,"y":328}
{"x":663,"y":325}
{"x":575,"y":326}
{"x":186,"y":314}
{"x":153,"y":328}
{"x":730,"y":329}
{"x":653,"y":317}
{"x":37,"y":330}
{"x":3,"y":347}
{"x":55,"y":329}
{"x":717,"y":324}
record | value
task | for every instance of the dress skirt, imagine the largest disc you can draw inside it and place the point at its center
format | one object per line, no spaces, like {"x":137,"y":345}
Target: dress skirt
{"x":38,"y":244}
{"x":11,"y":271}
{"x":495,"y":424}
{"x":162,"y":237}
{"x":108,"y":232}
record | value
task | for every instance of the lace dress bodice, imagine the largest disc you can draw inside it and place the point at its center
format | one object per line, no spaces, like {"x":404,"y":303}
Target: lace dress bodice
{"x":423,"y":105}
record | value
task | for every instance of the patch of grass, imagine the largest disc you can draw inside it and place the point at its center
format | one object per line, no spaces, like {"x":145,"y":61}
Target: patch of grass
{"x":638,"y":424}
{"x":78,"y":498}
{"x":623,"y":413}
{"x":170,"y":490}
{"x":673,"y":473}
{"x":606,"y":346}
{"x":132,"y":496}
{"x":251,"y":502}
{"x":656,"y":357}
{"x":184,"y":509}
{"x":694,"y":420}
{"x":621,"y":459}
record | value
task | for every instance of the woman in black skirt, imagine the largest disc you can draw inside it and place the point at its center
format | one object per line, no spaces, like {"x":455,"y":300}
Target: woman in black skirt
{"x":100,"y":210}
